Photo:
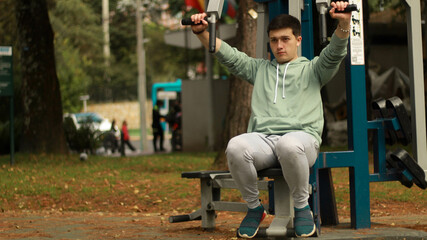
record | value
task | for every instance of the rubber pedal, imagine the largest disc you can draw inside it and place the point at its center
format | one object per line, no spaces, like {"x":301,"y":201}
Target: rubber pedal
{"x":393,"y":163}
{"x":380,"y":111}
{"x":395,"y":105}
{"x":412,"y":166}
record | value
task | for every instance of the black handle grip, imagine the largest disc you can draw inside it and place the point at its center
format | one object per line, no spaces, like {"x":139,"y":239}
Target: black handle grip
{"x":349,"y":8}
{"x":179,"y":218}
{"x":212,"y":29}
{"x":187,"y":21}
{"x":212,"y":37}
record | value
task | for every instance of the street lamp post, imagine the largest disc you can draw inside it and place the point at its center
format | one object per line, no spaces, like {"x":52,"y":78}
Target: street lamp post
{"x":141,"y":76}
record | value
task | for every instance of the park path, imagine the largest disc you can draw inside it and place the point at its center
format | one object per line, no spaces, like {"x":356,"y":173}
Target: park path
{"x":84,"y":225}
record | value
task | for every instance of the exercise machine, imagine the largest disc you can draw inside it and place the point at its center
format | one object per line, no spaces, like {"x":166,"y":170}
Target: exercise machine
{"x":392,"y":120}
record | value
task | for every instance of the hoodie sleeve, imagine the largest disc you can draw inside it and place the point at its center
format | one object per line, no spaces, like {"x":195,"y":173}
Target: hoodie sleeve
{"x":329,"y":60}
{"x":238,"y":62}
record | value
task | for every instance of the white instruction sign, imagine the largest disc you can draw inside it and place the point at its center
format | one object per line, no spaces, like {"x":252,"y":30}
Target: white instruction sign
{"x":5,"y":51}
{"x":357,"y":46}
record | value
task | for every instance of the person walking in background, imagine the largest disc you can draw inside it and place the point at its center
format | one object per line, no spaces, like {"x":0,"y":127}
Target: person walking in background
{"x":125,"y":139}
{"x":111,"y":139}
{"x":174,"y":120}
{"x":116,"y":132}
{"x":157,"y":127}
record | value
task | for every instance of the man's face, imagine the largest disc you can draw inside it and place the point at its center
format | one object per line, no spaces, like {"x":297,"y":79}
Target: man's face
{"x":284,"y":45}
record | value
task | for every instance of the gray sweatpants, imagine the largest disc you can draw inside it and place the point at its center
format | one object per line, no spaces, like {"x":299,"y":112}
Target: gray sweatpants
{"x":294,"y":152}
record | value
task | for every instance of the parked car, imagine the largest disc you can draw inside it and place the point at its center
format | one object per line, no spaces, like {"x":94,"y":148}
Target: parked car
{"x":96,"y":121}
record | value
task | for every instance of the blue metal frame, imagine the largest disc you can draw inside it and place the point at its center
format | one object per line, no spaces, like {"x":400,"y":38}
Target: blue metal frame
{"x":357,"y":157}
{"x":381,"y":173}
{"x":307,"y":30}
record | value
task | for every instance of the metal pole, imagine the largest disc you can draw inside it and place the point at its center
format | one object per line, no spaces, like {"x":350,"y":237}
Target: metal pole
{"x":141,"y":77}
{"x":295,"y":8}
{"x":12,"y":116}
{"x":416,"y":74}
{"x":210,"y":110}
{"x":261,"y":36}
{"x":106,"y":30}
{"x":12,"y":136}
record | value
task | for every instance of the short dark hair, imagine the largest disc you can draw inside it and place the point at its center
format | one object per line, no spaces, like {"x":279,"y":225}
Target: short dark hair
{"x":285,"y":21}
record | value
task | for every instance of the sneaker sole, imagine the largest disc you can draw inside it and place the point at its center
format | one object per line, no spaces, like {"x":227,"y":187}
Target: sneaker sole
{"x":247,"y":236}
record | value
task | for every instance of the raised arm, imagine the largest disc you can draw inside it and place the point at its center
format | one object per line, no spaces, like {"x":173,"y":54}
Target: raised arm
{"x":200,"y":30}
{"x":343,"y":28}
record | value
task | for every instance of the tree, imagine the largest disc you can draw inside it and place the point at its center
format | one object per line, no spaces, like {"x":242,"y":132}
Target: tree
{"x":78,"y":50}
{"x":238,"y":111}
{"x":42,"y":117}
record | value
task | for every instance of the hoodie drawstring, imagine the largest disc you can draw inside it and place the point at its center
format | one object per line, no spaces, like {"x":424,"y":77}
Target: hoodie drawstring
{"x":277,"y":82}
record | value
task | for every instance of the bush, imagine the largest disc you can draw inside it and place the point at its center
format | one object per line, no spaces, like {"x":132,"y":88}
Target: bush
{"x":84,"y":139}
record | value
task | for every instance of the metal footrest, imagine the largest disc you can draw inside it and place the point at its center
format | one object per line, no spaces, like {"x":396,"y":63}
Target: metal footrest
{"x":186,"y":217}
{"x":393,"y":108}
{"x":380,"y":111}
{"x":409,"y":169}
{"x":404,"y":134}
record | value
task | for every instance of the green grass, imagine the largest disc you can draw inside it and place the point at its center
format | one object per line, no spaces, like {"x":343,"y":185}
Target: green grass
{"x":41,"y":181}
{"x":136,"y":132}
{"x":150,"y":183}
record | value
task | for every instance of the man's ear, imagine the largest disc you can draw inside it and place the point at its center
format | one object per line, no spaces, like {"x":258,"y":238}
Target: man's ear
{"x":299,"y":40}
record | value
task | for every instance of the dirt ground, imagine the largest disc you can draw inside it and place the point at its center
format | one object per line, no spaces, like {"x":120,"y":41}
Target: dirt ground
{"x":117,"y":220}
{"x":129,"y":218}
{"x":387,"y":218}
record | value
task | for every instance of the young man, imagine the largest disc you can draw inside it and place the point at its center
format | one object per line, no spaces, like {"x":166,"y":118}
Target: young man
{"x":283,"y":130}
{"x":158,"y":132}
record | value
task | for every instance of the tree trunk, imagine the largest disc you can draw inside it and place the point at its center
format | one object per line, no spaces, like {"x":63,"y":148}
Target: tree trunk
{"x":42,"y":129}
{"x":239,"y":105}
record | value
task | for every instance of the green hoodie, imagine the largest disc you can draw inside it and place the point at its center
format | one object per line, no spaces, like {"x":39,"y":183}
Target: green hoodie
{"x":286,"y":98}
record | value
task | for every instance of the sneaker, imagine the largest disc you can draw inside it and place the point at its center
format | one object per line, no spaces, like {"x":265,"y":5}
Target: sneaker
{"x":250,"y":224}
{"x":304,"y":223}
